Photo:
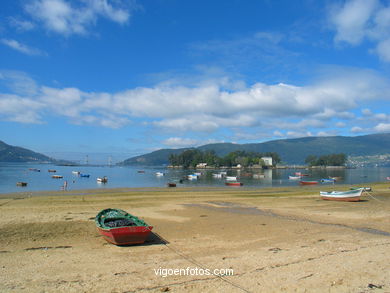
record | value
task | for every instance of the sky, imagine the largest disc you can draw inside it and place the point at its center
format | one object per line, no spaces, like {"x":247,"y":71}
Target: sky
{"x":122,"y":78}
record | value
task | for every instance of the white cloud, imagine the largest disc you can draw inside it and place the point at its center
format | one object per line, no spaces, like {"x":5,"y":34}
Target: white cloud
{"x":352,"y":19}
{"x":17,"y":109}
{"x":357,"y":129}
{"x":60,"y":16}
{"x":382,"y":127}
{"x":21,"y":25}
{"x":21,"y":47}
{"x":360,"y":20}
{"x":178,"y":142}
{"x":293,"y":110}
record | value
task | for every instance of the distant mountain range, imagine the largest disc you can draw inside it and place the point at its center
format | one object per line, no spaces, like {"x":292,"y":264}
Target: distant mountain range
{"x":9,"y":153}
{"x":291,"y":151}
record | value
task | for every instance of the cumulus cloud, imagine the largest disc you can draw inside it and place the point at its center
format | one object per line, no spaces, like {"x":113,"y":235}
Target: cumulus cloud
{"x":288,"y":109}
{"x":21,"y":47}
{"x":64,"y":17}
{"x":382,"y":127}
{"x":179,"y":142}
{"x":360,"y":20}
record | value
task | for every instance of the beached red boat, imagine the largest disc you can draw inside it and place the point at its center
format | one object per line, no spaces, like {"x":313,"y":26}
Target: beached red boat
{"x":120,"y":228}
{"x":308,"y":182}
{"x":234,"y":183}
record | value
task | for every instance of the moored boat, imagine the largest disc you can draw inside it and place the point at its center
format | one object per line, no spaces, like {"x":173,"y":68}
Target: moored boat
{"x":294,"y":177}
{"x":159,"y":174}
{"x":22,"y":184}
{"x":57,"y":176}
{"x":231,"y":178}
{"x":351,"y":195}
{"x":102,"y":179}
{"x":171,"y":184}
{"x":84,"y":175}
{"x":121,"y":228}
{"x":231,"y":183}
{"x":76,"y":172}
{"x":308,"y":182}
{"x":51,"y":171}
{"x":258,"y":176}
{"x":192,"y":177}
{"x":35,"y":169}
{"x":328,"y":180}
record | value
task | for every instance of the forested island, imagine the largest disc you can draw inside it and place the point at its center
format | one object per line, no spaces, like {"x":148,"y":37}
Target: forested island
{"x":326,"y":160}
{"x":194,"y":157}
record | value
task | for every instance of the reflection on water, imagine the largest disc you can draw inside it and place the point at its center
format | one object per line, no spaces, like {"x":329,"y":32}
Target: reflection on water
{"x":11,"y":173}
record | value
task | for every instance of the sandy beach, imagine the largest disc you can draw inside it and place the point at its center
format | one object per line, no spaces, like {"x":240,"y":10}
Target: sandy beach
{"x":274,"y":240}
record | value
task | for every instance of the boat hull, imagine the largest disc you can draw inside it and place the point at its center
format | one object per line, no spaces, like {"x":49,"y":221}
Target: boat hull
{"x":126,"y":235}
{"x":234,"y":183}
{"x":308,"y":182}
{"x":341,"y":198}
{"x":353,"y":195}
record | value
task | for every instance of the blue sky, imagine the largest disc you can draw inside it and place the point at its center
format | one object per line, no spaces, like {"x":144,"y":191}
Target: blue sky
{"x":126,"y":77}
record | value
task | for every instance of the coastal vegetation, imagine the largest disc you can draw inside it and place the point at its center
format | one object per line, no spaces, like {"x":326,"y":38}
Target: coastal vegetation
{"x":193,"y":157}
{"x":326,"y":160}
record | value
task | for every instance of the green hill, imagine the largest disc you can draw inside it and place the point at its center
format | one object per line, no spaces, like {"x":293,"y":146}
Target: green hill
{"x":291,"y":151}
{"x":9,"y":153}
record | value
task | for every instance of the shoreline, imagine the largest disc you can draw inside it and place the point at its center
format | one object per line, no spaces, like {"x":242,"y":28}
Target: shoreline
{"x":275,"y":239}
{"x":24,"y":194}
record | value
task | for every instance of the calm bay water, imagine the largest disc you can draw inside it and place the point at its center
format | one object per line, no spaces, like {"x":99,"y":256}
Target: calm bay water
{"x":10,"y":173}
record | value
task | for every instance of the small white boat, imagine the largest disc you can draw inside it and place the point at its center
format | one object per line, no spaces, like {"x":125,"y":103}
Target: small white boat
{"x":258,"y":176}
{"x":102,"y":179}
{"x":159,"y":174}
{"x":352,"y":195}
{"x":231,"y":178}
{"x":192,"y":177}
{"x":217,"y":175}
{"x":294,"y":177}
{"x":76,"y":172}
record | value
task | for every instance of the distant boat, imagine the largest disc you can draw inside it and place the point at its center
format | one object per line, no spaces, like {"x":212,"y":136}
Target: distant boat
{"x":258,"y":176}
{"x":159,"y":174}
{"x":231,"y":183}
{"x":217,"y":175}
{"x":34,"y":169}
{"x":192,"y":177}
{"x":294,"y":177}
{"x":22,"y":184}
{"x":120,"y":228}
{"x":140,"y":171}
{"x":328,"y":180}
{"x":51,"y":171}
{"x":308,"y":182}
{"x":57,"y":177}
{"x":102,"y":179}
{"x":76,"y":172}
{"x":231,"y":178}
{"x":388,"y":178}
{"x":352,"y":195}
{"x":171,"y":184}
{"x":84,"y":175}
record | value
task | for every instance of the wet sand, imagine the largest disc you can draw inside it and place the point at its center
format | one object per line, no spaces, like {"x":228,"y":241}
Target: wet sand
{"x":274,"y":240}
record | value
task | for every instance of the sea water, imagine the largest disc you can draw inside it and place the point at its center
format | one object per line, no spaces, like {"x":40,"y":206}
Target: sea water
{"x":130,"y":176}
